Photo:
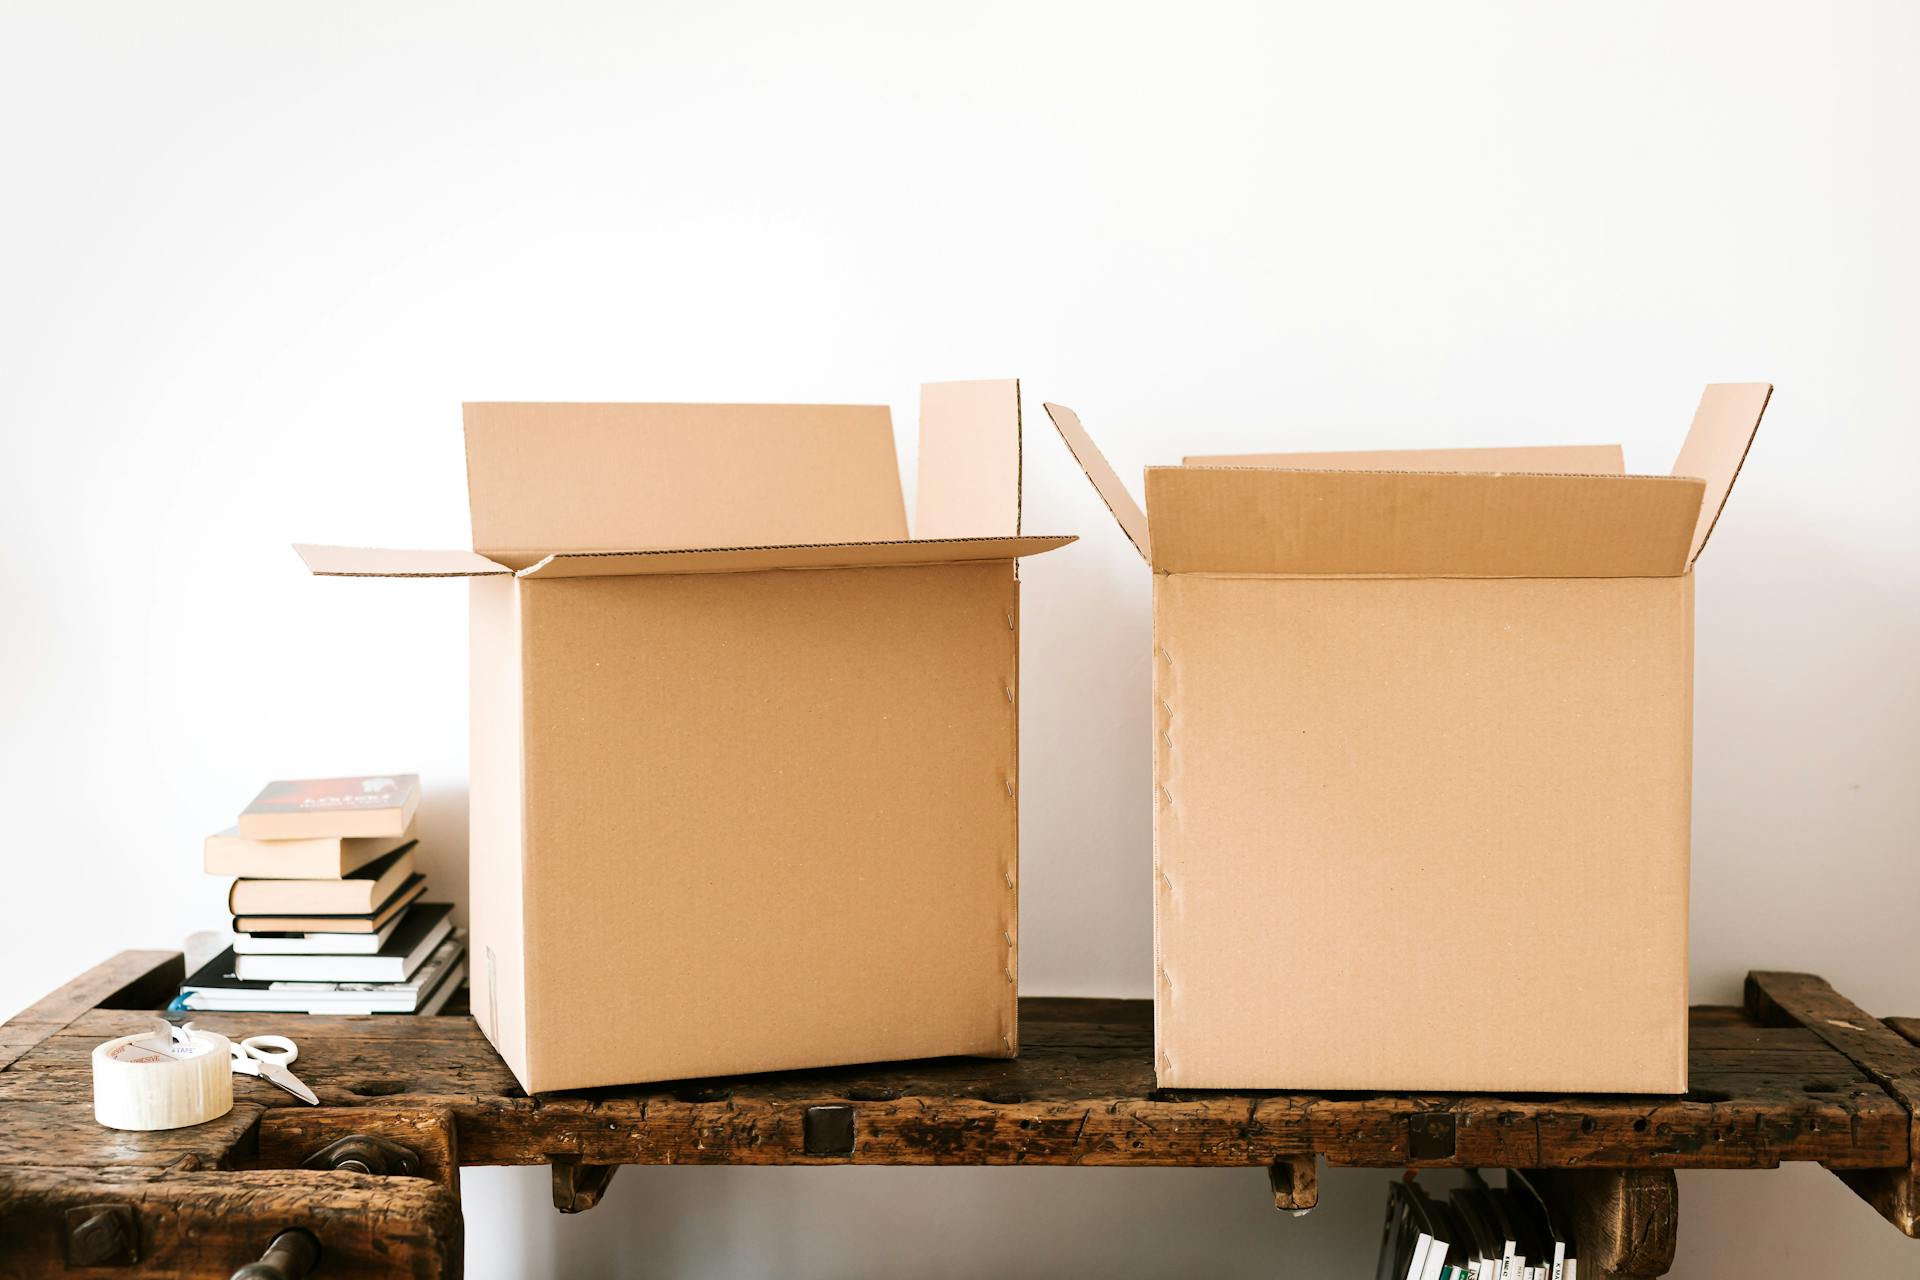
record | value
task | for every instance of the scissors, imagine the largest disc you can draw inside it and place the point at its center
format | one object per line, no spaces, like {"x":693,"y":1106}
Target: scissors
{"x":267,"y":1057}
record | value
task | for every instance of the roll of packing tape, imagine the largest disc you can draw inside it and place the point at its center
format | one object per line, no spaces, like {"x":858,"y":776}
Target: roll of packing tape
{"x":138,"y":1084}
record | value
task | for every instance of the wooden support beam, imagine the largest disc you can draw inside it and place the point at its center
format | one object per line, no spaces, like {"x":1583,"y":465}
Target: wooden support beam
{"x":191,"y":1225}
{"x":1295,"y":1181}
{"x":578,"y":1187}
{"x":1626,"y":1221}
{"x":1887,"y":1057}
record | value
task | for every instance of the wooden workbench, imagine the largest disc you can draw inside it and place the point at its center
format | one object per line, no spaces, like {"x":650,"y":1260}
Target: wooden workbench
{"x":1799,"y":1073}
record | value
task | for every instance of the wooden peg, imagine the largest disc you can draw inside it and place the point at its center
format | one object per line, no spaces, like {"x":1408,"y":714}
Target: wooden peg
{"x":1295,"y":1181}
{"x":578,"y":1187}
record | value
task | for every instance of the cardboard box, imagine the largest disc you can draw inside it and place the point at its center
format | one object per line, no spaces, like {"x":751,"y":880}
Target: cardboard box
{"x":745,"y":755}
{"x":1422,"y":761}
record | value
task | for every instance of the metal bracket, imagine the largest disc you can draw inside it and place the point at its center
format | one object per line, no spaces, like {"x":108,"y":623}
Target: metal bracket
{"x":364,"y":1153}
{"x":1431,"y":1137}
{"x":828,"y":1131}
{"x":102,"y":1235}
{"x":292,"y":1255}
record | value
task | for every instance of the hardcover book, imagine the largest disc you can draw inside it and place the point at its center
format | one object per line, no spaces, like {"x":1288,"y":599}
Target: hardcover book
{"x":315,"y":944}
{"x":365,"y":922}
{"x":228,"y":853}
{"x":359,"y":893}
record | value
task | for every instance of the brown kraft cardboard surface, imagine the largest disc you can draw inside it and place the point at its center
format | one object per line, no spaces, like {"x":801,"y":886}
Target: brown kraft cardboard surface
{"x":1423,"y":761}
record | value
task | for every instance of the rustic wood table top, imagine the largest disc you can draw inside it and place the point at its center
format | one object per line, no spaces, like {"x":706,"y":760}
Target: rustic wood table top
{"x":1798,"y":1074}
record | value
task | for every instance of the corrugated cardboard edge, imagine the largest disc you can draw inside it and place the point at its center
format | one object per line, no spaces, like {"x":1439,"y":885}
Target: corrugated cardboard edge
{"x":1010,"y":1037}
{"x":1682,"y":1012}
{"x":1106,"y":481}
{"x":496,"y":971}
{"x":822,"y":555}
{"x":1574,"y":459}
{"x":386,"y":562}
{"x":1716,"y":447}
{"x":1162,"y":762}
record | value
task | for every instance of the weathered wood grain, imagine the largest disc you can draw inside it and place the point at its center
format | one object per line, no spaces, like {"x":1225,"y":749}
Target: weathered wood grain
{"x":1798,"y":1075}
{"x":578,"y":1187}
{"x":1626,"y":1221}
{"x":209,"y":1224}
{"x":132,"y":979}
{"x":288,"y":1136}
{"x":1081,"y":1093}
{"x":1295,"y":1182}
{"x":1886,"y":1056}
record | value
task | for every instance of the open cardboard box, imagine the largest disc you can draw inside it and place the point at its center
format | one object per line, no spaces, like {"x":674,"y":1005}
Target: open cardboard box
{"x":1423,"y":761}
{"x":745,"y":755}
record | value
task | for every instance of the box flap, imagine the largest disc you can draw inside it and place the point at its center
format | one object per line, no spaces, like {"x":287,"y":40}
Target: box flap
{"x":1133,"y":521}
{"x":969,"y":460}
{"x":1419,"y":524}
{"x":383,"y":562}
{"x":830,"y":555}
{"x":1573,"y":459}
{"x":585,"y":477}
{"x":1717,"y":444}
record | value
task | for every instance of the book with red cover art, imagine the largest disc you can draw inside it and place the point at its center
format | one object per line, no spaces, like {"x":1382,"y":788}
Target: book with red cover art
{"x":376,"y":805}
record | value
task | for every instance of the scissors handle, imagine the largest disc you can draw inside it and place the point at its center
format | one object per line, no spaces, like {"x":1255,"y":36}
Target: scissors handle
{"x":278,"y":1050}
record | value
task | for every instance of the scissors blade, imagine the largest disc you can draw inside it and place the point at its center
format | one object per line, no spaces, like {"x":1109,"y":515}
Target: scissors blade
{"x":287,"y":1080}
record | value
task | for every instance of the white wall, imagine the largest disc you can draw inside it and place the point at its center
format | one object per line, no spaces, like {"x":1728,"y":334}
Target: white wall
{"x":252,"y":257}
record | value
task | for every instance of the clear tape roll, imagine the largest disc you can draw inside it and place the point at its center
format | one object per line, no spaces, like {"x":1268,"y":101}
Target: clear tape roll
{"x":137,"y":1085}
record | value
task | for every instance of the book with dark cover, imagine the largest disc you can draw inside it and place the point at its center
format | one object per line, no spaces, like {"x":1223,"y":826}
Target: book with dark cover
{"x":419,"y":932}
{"x":316,"y":944}
{"x":216,"y":987}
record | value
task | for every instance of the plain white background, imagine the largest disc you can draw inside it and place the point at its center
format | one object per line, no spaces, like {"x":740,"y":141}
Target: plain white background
{"x":252,"y":257}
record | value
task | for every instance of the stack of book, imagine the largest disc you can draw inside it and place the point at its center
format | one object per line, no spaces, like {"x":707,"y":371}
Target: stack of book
{"x":327,"y":906}
{"x":1478,"y":1232}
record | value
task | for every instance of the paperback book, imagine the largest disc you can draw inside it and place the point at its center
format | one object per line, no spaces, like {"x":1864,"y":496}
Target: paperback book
{"x":218,"y":988}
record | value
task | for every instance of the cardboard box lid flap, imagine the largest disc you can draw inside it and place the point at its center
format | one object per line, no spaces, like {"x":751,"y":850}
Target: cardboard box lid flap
{"x":1717,"y":444}
{"x":828,"y":555}
{"x":384,"y":562}
{"x":969,"y":484}
{"x":582,"y":477}
{"x":1419,"y":524}
{"x":1106,"y":482}
{"x":1570,"y":459}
